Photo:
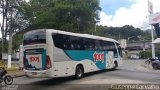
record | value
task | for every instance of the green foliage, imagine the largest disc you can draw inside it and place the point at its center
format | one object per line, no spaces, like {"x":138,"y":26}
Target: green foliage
{"x":17,"y":40}
{"x":73,"y":16}
{"x":5,"y":48}
{"x":67,"y":15}
{"x":145,"y":54}
{"x":157,"y":53}
{"x":126,"y":32}
{"x":148,"y":54}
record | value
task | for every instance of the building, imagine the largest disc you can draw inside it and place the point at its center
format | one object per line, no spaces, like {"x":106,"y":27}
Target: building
{"x":123,"y":43}
{"x":135,"y":47}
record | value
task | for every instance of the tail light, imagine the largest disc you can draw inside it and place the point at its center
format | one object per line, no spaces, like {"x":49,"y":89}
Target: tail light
{"x":48,"y":62}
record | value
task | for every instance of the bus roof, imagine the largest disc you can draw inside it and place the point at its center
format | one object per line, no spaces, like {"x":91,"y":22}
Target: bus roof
{"x":78,"y":34}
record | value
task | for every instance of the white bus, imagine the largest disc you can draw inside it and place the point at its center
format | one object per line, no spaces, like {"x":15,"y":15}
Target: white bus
{"x":54,"y":53}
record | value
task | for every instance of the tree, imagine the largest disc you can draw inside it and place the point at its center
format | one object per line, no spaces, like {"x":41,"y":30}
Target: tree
{"x":67,"y":15}
{"x":17,"y":41}
{"x":126,"y":32}
{"x":3,"y":25}
{"x":0,"y":50}
{"x":10,"y":20}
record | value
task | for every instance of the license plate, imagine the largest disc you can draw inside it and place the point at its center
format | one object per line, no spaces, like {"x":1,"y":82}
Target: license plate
{"x":34,"y":73}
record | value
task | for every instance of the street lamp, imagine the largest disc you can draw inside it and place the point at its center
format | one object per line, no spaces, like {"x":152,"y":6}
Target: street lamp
{"x":96,"y":21}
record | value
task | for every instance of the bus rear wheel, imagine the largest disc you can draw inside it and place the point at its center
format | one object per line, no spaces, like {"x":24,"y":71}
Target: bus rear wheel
{"x":79,"y":72}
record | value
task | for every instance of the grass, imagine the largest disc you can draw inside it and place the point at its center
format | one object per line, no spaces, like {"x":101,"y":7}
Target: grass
{"x":11,"y":70}
{"x":2,"y":63}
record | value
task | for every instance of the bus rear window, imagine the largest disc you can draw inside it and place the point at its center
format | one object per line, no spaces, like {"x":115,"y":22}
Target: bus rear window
{"x":34,"y":37}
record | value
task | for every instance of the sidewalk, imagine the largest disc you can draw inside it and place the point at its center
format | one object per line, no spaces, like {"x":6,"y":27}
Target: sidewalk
{"x":147,"y":67}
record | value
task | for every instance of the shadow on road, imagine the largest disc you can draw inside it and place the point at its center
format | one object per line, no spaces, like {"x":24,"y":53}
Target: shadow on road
{"x":60,"y":83}
{"x":62,"y":80}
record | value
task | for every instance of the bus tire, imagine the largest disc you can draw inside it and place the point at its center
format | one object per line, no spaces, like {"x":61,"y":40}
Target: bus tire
{"x":115,"y":65}
{"x":79,"y":72}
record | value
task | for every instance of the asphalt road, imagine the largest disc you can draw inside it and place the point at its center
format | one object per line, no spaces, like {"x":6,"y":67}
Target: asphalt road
{"x":131,"y":72}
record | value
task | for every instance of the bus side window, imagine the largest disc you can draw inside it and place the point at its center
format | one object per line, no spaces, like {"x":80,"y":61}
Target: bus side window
{"x":72,"y":43}
{"x":96,"y":45}
{"x":81,"y":43}
{"x":76,"y":43}
{"x":72,"y":46}
{"x":115,"y":54}
{"x":86,"y":43}
{"x":64,"y":46}
{"x":58,"y":40}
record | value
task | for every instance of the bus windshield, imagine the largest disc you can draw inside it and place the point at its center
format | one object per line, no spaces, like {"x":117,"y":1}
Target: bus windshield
{"x":34,"y":37}
{"x":119,"y":50}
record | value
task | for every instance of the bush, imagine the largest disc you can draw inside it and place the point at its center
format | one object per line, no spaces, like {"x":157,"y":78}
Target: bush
{"x":145,"y":54}
{"x":148,"y":54}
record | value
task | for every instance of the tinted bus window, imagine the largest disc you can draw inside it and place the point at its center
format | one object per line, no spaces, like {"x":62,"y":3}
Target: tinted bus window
{"x":34,"y":37}
{"x":58,"y":40}
{"x":68,"y":42}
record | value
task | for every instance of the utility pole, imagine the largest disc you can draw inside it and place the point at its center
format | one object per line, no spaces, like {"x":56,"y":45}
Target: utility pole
{"x":150,"y":10}
{"x":153,"y":46}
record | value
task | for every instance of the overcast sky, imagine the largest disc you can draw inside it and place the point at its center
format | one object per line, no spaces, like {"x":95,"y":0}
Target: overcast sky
{"x":118,"y":13}
{"x":126,"y":12}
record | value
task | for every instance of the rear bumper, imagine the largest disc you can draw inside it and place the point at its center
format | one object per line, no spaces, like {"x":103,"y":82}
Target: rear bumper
{"x":42,"y":74}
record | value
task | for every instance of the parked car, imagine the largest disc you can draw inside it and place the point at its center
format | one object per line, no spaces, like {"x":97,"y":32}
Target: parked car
{"x":134,"y":57}
{"x":155,"y":63}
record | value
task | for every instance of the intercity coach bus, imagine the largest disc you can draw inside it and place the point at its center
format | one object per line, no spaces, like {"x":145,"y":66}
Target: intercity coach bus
{"x":55,"y":53}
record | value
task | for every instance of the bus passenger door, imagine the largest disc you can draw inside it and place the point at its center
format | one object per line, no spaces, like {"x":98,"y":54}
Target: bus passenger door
{"x":109,"y":60}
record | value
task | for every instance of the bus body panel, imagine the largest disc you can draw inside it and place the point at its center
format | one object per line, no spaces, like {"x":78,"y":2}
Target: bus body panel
{"x":109,"y":60}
